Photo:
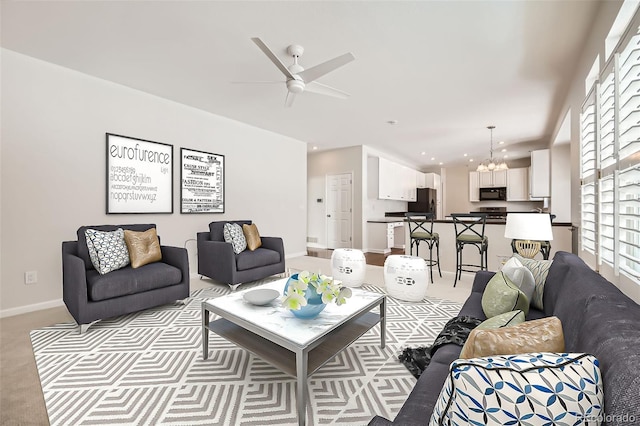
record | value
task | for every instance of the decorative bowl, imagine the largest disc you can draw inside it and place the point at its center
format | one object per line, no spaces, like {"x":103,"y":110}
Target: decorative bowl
{"x":261,"y":296}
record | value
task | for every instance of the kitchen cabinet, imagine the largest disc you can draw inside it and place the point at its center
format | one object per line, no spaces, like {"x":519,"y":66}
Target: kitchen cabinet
{"x":539,"y":178}
{"x":395,"y":181}
{"x":518,"y":184}
{"x":383,"y":236}
{"x":408,"y":183}
{"x":432,"y":181}
{"x":428,"y":180}
{"x":496,"y":178}
{"x":474,"y":184}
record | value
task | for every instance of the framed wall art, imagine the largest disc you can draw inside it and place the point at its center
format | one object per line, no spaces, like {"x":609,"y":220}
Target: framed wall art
{"x":139,"y":176}
{"x":201,"y":182}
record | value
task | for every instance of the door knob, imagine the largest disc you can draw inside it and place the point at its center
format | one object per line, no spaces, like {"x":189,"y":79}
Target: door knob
{"x":328,"y":215}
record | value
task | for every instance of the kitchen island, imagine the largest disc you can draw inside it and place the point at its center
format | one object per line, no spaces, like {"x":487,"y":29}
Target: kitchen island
{"x":499,"y":246}
{"x":384,"y":234}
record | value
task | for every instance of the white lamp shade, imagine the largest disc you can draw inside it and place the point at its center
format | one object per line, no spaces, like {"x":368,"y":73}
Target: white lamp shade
{"x":529,"y":226}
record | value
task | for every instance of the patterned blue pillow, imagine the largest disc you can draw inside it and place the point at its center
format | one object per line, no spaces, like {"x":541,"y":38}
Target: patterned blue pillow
{"x":107,"y":250}
{"x":233,"y":233}
{"x":535,"y":388}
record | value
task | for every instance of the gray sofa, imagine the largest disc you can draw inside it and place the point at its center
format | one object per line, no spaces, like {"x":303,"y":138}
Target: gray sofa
{"x":90,"y":296}
{"x":597,"y":318}
{"x":217,"y":260}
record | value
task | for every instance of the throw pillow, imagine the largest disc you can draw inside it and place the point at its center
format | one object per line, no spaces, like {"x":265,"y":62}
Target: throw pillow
{"x":252,"y":236}
{"x":502,"y":320}
{"x":501,"y":295}
{"x":533,"y":388}
{"x":232,"y":233}
{"x":541,"y":335}
{"x":107,"y":250}
{"x":539,"y":269}
{"x":144,"y":247}
{"x":520,"y":275}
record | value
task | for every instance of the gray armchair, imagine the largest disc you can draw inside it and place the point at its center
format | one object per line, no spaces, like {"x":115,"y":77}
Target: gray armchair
{"x":90,"y":296}
{"x":217,"y":260}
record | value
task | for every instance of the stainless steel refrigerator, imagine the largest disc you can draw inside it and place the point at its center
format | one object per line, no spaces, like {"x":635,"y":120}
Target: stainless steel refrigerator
{"x":426,"y":199}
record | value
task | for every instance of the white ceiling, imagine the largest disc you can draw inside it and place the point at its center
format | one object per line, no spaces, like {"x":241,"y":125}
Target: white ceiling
{"x":445,"y":70}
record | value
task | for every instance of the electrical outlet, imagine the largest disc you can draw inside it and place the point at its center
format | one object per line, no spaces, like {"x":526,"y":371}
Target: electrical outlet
{"x":31,"y":277}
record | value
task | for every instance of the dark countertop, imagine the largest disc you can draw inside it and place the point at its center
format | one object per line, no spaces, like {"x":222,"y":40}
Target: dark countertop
{"x":399,"y":216}
{"x":387,"y":220}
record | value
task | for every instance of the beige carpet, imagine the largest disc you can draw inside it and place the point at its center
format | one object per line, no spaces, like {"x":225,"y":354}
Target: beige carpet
{"x":21,"y":398}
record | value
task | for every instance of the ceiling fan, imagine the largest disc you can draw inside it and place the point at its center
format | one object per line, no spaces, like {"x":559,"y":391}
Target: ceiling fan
{"x":299,"y":79}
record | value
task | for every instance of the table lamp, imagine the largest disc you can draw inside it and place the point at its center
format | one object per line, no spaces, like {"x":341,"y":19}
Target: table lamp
{"x":528,"y":230}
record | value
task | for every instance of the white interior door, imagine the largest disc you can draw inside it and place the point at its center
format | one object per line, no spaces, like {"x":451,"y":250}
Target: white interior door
{"x":339,"y":210}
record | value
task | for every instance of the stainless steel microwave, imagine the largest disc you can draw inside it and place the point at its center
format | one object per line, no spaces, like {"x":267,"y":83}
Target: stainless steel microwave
{"x":493,"y":194}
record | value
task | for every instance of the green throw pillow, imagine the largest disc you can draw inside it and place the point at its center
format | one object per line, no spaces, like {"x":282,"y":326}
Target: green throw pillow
{"x":502,"y":320}
{"x":502,"y":295}
{"x":539,"y":269}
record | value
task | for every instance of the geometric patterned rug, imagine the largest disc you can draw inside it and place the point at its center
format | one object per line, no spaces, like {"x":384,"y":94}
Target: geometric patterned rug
{"x":146,"y":368}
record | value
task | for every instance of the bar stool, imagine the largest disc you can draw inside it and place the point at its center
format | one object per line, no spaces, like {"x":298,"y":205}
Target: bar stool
{"x":469,"y":228}
{"x":421,"y":230}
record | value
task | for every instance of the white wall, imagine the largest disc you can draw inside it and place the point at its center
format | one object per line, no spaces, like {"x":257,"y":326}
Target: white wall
{"x":319,"y":165}
{"x":54,"y":122}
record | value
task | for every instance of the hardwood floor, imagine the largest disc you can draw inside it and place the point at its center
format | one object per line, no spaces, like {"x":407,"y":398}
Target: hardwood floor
{"x":371,"y":258}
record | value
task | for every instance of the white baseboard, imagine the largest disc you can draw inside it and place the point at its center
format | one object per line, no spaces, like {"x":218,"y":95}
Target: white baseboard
{"x":291,"y":255}
{"x":316,"y":245}
{"x":31,"y":308}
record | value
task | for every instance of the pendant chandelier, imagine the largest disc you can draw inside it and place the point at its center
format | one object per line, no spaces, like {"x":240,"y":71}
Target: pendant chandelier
{"x":490,"y":164}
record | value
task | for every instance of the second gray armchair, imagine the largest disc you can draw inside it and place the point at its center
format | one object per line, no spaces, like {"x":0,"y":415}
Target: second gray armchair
{"x":217,"y":259}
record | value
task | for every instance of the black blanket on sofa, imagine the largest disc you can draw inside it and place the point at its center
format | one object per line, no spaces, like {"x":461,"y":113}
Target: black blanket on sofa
{"x":456,"y":331}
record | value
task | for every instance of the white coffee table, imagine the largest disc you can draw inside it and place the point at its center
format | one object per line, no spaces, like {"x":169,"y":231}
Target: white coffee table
{"x":297,"y":347}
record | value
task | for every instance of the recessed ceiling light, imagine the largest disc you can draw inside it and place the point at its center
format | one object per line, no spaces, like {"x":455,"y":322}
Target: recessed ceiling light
{"x":441,"y":163}
{"x":506,"y":156}
{"x":392,"y":122}
{"x":504,"y":149}
{"x":501,"y":143}
{"x":314,"y":148}
{"x":433,"y":158}
{"x":471,"y":160}
{"x":465,"y":155}
{"x":423,"y":153}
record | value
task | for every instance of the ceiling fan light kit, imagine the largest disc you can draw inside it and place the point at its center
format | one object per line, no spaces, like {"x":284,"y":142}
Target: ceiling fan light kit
{"x":490,"y":164}
{"x":299,"y":79}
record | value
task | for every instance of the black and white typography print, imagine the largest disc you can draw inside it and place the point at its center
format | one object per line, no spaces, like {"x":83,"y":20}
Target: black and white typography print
{"x":139,"y":176}
{"x":202,"y":182}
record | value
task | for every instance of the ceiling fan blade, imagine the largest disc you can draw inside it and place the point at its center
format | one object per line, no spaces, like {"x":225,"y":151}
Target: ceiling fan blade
{"x":273,"y":57}
{"x":258,"y":82}
{"x":318,"y":71}
{"x":323,"y":89}
{"x":289,"y":99}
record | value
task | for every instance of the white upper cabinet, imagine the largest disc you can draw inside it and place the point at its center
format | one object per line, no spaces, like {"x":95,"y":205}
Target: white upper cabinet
{"x":432,"y":180}
{"x":518,"y":184}
{"x":474,"y":184}
{"x":539,"y":182}
{"x":386,"y":183}
{"x":496,"y":178}
{"x":395,"y":181}
{"x":485,"y":179}
{"x":499,"y":178}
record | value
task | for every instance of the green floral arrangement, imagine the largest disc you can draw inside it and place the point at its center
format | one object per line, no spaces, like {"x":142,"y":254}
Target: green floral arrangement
{"x":331,"y":290}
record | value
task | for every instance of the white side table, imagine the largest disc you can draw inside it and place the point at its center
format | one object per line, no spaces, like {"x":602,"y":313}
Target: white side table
{"x":405,"y":277}
{"x":348,"y":265}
